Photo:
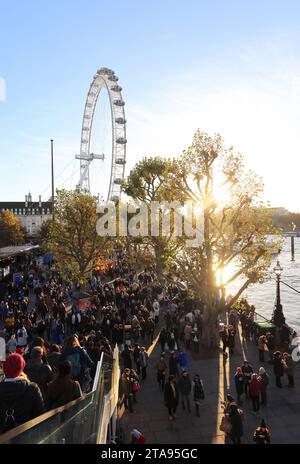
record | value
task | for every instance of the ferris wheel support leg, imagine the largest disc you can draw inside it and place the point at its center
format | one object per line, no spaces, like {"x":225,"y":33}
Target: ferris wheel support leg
{"x":83,"y":175}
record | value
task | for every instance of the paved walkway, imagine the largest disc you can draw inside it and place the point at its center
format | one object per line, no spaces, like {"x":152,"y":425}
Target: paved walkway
{"x":282,"y":414}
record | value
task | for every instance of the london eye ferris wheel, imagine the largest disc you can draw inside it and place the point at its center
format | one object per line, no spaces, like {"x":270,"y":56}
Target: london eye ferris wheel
{"x":115,"y":156}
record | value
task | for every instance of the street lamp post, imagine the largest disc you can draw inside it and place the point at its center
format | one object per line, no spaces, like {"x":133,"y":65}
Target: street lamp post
{"x":278,"y":317}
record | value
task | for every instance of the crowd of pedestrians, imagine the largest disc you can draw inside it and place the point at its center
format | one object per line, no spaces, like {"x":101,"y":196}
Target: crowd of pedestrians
{"x":53,"y":346}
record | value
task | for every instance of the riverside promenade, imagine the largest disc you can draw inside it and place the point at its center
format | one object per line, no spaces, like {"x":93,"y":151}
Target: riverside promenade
{"x":282,"y":414}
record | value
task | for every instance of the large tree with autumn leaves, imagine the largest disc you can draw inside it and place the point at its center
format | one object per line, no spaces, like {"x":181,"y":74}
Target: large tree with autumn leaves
{"x":11,"y":231}
{"x":236,"y":225}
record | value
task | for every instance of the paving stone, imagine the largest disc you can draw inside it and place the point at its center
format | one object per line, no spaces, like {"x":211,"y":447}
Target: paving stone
{"x":282,"y":413}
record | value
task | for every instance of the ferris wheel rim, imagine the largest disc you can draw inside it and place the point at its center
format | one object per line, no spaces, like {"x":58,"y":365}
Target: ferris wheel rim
{"x":104,"y":78}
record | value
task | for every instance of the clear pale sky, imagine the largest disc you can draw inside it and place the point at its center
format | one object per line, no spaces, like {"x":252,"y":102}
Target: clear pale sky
{"x":226,"y":66}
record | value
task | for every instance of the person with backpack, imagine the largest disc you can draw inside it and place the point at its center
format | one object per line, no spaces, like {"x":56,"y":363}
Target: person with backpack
{"x":20,"y":399}
{"x":198,"y":393}
{"x":78,"y":357}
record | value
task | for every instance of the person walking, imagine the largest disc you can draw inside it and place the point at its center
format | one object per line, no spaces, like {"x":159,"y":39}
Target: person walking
{"x":185,"y":388}
{"x":173,"y":364}
{"x":126,"y":382}
{"x":161,"y":368}
{"x":247,"y":372}
{"x":289,"y":369}
{"x":136,"y":357}
{"x":20,"y":399}
{"x":278,"y":368}
{"x":156,"y":309}
{"x":239,"y":383}
{"x":126,"y":355}
{"x":198,"y":393}
{"x":39,"y":372}
{"x":63,"y":389}
{"x":231,"y":339}
{"x":225,"y":338}
{"x":254,"y":390}
{"x":264,"y":381}
{"x":143,"y":361}
{"x":261,"y":435}
{"x":78,"y":357}
{"x":262,"y":347}
{"x":271,"y":346}
{"x":171,"y":396}
{"x":183,"y":361}
{"x":135,"y":384}
{"x":188,"y":335}
{"x":54,"y":357}
{"x":235,"y":418}
{"x":163,"y":339}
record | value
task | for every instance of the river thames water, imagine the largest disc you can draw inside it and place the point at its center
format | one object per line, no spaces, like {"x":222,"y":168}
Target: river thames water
{"x":263,"y":296}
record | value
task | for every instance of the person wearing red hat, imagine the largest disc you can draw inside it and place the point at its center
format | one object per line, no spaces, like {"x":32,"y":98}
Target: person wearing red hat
{"x":20,"y":350}
{"x":137,"y":437}
{"x":20,"y":400}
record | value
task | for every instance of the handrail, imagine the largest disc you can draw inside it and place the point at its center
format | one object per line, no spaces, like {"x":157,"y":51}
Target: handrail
{"x":11,"y":434}
{"x":257,"y":314}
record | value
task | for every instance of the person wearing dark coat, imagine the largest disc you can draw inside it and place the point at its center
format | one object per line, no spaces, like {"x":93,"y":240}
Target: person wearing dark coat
{"x":126,"y":355}
{"x":163,"y":339}
{"x":239,"y":383}
{"x":171,"y":397}
{"x":54,"y":357}
{"x":20,"y":399}
{"x":255,"y":390}
{"x":225,"y":339}
{"x":37,"y":371}
{"x":236,"y":424}
{"x":247,"y":373}
{"x":136,"y":357}
{"x":278,"y":368}
{"x":185,"y":388}
{"x":63,"y":389}
{"x":198,"y":393}
{"x":261,"y":435}
{"x":173,"y":364}
{"x":143,"y":362}
{"x":231,"y":340}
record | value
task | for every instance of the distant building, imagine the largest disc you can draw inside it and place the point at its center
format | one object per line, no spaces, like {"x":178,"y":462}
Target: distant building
{"x":279,"y":211}
{"x":31,"y":214}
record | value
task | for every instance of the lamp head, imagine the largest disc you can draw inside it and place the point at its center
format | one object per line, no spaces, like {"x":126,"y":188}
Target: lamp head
{"x":278,"y":269}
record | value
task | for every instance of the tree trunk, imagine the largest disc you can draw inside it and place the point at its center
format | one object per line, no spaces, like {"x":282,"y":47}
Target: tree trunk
{"x":209,"y":330}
